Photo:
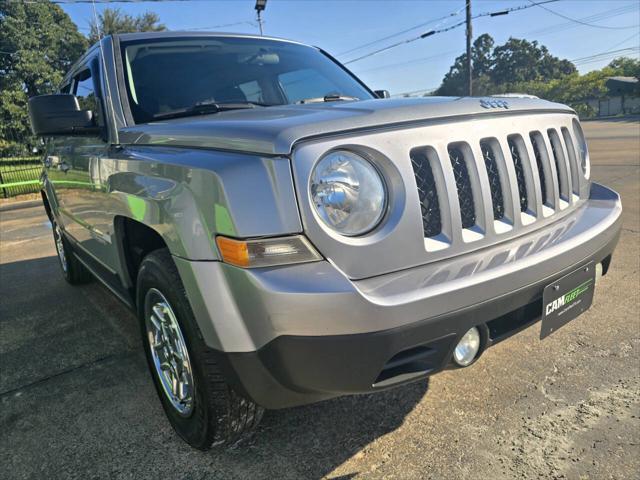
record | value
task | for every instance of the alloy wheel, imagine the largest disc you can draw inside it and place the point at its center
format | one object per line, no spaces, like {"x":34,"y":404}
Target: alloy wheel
{"x":169,"y":352}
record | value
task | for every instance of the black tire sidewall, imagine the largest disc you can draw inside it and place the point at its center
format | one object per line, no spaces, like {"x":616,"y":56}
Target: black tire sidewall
{"x":154,"y":273}
{"x":67,"y":251}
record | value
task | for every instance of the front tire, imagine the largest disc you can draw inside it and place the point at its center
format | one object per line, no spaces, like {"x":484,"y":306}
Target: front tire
{"x":202,"y":408}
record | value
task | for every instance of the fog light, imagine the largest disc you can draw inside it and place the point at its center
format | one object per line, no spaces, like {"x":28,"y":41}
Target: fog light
{"x":467,"y":348}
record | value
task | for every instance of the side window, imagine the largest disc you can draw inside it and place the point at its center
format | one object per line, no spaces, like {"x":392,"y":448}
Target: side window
{"x":85,"y":91}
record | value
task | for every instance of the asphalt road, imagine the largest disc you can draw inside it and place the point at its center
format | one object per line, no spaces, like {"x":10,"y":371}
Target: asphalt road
{"x":77,"y":402}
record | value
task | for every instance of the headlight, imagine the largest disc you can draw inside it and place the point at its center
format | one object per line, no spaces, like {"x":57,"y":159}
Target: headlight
{"x":582,"y":147}
{"x":348,"y":193}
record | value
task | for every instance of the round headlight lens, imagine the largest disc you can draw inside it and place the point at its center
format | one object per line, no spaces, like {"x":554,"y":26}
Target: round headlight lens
{"x":348,"y":193}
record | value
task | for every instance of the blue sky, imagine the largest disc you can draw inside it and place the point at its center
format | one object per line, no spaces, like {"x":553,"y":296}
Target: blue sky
{"x":341,"y":25}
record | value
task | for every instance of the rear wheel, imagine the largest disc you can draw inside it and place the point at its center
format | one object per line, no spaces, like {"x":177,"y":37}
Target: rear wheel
{"x":201,"y":406}
{"x":73,"y":271}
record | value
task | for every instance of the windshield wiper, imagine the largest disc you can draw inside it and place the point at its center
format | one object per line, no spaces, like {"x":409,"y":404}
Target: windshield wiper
{"x":206,"y":108}
{"x":329,"y":98}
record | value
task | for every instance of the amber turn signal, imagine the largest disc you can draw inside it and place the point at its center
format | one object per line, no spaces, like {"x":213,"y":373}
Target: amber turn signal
{"x":233,"y":251}
{"x":266,"y":252}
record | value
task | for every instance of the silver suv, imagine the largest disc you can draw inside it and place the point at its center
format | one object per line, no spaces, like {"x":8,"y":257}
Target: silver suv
{"x":287,"y":235}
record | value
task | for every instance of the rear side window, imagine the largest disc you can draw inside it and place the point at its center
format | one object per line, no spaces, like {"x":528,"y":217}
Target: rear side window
{"x":84,"y":90}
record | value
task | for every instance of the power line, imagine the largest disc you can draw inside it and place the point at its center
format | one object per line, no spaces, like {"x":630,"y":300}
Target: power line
{"x":408,"y":62}
{"x":604,"y":58}
{"x":623,"y":41}
{"x":574,"y":20}
{"x":446,"y":29}
{"x":604,"y":55}
{"x":410,"y":40}
{"x":559,"y":27}
{"x":388,"y":37}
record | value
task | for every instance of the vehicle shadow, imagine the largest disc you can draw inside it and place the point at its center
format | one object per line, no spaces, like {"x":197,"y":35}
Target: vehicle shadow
{"x":86,"y":397}
{"x":316,"y":439}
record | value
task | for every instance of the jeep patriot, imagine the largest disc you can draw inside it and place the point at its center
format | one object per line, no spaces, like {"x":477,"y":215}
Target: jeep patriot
{"x":287,"y":235}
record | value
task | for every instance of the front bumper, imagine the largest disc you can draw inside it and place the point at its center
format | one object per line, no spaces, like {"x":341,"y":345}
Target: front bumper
{"x":299,"y":334}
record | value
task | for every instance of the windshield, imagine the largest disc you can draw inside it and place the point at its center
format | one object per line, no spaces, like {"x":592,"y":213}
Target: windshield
{"x":169,"y":74}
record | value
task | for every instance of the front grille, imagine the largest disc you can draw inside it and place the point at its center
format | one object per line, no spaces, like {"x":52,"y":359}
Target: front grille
{"x":463,"y":185}
{"x":524,"y":157}
{"x":497,"y":200}
{"x":429,"y":204}
{"x":516,"y":156}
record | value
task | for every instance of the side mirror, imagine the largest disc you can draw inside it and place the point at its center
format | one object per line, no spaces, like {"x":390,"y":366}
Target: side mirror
{"x":382,"y":93}
{"x":60,"y":114}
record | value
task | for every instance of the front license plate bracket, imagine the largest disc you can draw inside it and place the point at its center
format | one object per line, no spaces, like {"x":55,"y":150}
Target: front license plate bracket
{"x":566,"y":298}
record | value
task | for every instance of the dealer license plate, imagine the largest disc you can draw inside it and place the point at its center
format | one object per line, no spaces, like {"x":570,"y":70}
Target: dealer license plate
{"x":566,"y":298}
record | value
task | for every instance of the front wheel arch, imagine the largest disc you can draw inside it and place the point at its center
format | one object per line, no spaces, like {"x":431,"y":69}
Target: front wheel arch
{"x":134,"y":241}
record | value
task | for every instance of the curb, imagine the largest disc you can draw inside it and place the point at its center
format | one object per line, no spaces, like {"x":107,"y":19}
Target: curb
{"x":6,"y":207}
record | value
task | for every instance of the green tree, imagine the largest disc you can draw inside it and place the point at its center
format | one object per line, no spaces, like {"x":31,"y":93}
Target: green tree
{"x":455,"y":81}
{"x":626,"y":67}
{"x":482,"y":55}
{"x":38,"y":44}
{"x":113,"y":20}
{"x":522,"y":61}
{"x":496,"y":68}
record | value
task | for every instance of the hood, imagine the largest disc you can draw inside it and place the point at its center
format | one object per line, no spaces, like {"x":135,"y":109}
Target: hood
{"x":275,"y":130}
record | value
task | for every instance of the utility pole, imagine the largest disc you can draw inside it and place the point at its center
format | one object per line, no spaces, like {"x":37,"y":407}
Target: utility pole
{"x":469,"y":35}
{"x":260,"y":6}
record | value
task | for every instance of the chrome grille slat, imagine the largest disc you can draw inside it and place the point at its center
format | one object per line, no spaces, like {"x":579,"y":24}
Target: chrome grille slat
{"x":511,"y":189}
{"x":549,"y":183}
{"x":560,"y":161}
{"x":573,"y":162}
{"x":451,"y":208}
{"x":534,"y":189}
{"x":537,"y":153}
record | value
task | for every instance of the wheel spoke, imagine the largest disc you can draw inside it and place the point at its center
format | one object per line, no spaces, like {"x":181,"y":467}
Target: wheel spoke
{"x":174,"y":384}
{"x":183,"y":392}
{"x":159,"y":313}
{"x":169,"y":352}
{"x":156,"y":322}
